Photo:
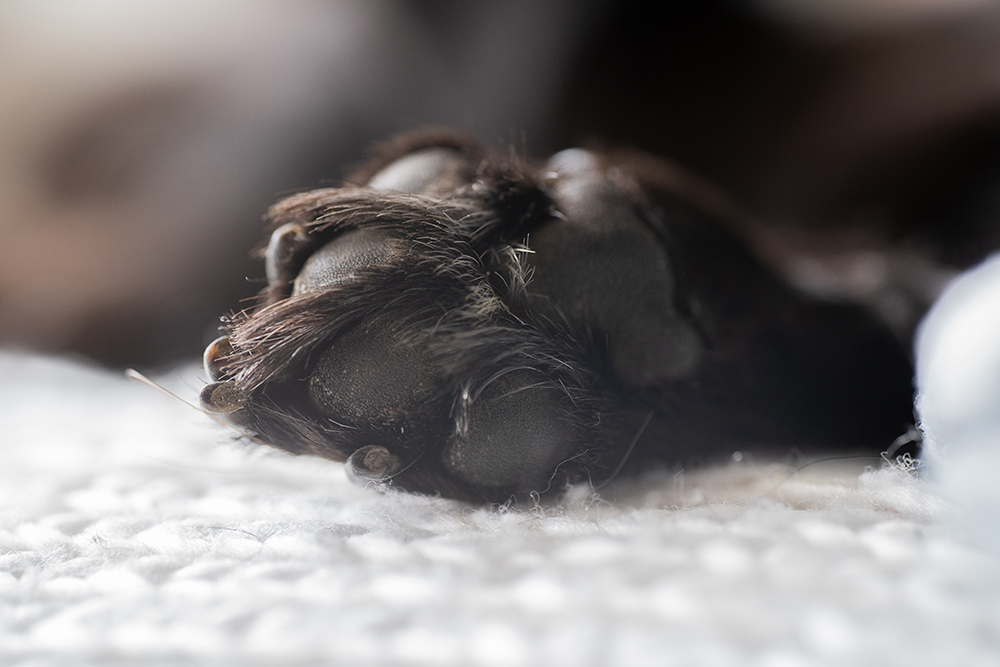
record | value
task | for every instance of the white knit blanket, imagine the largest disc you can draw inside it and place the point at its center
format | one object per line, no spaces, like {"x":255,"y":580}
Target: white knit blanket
{"x":134,"y":532}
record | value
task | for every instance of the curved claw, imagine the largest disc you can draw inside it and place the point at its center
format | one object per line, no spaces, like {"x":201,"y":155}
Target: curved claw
{"x":214,"y":353}
{"x":372,"y":463}
{"x":286,"y":243}
{"x":222,"y":397}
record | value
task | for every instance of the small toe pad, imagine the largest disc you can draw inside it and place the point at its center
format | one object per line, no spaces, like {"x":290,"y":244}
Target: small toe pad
{"x":516,"y":433}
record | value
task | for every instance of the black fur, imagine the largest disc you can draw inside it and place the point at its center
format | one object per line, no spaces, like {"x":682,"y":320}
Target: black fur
{"x":483,"y":306}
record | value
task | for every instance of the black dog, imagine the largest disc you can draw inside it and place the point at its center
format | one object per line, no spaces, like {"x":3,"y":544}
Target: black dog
{"x":468,"y":324}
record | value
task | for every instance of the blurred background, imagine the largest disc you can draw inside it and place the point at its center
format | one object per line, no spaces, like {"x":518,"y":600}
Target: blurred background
{"x":140,"y":143}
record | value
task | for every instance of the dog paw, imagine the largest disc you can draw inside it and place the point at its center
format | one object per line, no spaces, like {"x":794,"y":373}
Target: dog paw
{"x":466,"y":324}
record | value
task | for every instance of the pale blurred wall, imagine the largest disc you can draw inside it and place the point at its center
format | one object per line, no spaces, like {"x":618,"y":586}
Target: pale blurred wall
{"x":140,"y":142}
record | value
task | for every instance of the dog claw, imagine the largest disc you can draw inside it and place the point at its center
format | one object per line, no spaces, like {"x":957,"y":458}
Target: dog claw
{"x":222,"y":397}
{"x":286,"y":242}
{"x":372,"y":463}
{"x":217,"y":350}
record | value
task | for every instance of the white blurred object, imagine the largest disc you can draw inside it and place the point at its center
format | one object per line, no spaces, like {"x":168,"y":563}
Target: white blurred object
{"x":958,"y":380}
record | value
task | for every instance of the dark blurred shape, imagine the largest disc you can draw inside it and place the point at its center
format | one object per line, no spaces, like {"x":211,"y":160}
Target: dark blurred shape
{"x":802,"y":119}
{"x":864,"y":133}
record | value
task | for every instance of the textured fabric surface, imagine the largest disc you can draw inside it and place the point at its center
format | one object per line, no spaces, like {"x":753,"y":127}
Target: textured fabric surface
{"x":133,"y":531}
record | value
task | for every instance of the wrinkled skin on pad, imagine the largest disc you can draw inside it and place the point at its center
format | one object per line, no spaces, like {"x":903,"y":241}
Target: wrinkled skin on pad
{"x":471,"y":325}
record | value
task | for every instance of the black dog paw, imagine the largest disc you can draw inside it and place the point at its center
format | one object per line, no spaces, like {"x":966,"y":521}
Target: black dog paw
{"x":469,"y":325}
